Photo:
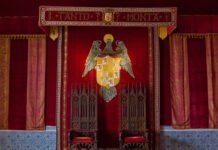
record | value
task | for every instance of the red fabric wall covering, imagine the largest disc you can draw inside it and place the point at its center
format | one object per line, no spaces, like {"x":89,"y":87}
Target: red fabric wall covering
{"x":197,"y":24}
{"x":18,"y":82}
{"x":51,"y":80}
{"x":80,"y":41}
{"x":198,"y":83}
{"x":165,"y":102}
{"x":29,"y":25}
{"x":20,"y":25}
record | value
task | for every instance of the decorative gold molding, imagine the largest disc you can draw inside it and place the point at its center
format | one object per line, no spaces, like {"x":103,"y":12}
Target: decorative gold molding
{"x":43,"y":16}
{"x":194,"y":35}
{"x":58,"y":91}
{"x":64,"y":91}
{"x":157,"y":88}
{"x":22,"y":36}
{"x":53,"y":32}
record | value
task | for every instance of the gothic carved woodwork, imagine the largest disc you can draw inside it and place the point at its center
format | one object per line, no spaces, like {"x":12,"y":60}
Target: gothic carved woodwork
{"x":133,"y":125}
{"x":83,"y":118}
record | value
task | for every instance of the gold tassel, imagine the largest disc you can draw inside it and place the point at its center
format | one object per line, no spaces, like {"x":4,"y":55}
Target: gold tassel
{"x":53,"y":32}
{"x":163,"y":32}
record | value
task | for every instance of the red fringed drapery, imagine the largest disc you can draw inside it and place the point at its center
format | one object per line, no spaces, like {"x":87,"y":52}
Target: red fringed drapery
{"x":4,"y":80}
{"x":23,"y":96}
{"x":35,"y":112}
{"x":186,"y":24}
{"x":18,"y":70}
{"x":212,"y":79}
{"x":193,"y":80}
{"x":179,"y":82}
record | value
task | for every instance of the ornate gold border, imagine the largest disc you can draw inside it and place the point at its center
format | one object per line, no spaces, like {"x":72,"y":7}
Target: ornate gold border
{"x":22,"y":36}
{"x":157,"y":87}
{"x":151,"y":81}
{"x":58,"y":90}
{"x":64,"y":93}
{"x":43,"y":22}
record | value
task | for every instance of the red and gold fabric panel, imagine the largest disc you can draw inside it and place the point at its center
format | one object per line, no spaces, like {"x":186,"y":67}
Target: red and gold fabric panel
{"x":212,"y":79}
{"x":36,"y":84}
{"x":4,"y":81}
{"x":179,"y":82}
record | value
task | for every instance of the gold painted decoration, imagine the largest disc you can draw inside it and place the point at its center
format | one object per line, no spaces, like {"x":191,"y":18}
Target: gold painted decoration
{"x":108,"y":16}
{"x":108,"y":71}
{"x":53,"y":32}
{"x":108,"y":63}
{"x":163,"y":32}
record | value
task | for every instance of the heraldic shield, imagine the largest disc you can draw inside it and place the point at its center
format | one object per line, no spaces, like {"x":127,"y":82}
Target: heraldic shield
{"x":108,"y":75}
{"x":108,"y":71}
{"x":108,"y":63}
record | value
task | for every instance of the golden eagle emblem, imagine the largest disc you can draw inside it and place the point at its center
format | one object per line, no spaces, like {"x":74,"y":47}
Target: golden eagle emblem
{"x":108,"y":63}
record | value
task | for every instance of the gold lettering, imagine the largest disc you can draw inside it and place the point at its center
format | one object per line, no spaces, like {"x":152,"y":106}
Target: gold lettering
{"x":167,"y":17}
{"x":60,"y":15}
{"x":80,"y":16}
{"x":117,"y":15}
{"x":140,"y":17}
{"x":148,"y":17}
{"x":67,"y":17}
{"x":143,"y":17}
{"x":156,"y":17}
{"x":131,"y":17}
{"x":86,"y":16}
{"x":98,"y":16}
{"x":128,"y":17}
{"x":49,"y":15}
{"x":73,"y":16}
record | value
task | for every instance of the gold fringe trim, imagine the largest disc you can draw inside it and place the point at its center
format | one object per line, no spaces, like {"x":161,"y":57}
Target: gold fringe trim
{"x":22,"y":36}
{"x":194,"y":35}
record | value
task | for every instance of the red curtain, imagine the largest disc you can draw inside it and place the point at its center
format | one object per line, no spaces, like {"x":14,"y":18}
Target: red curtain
{"x":36,"y":84}
{"x":186,"y":24}
{"x":18,"y":70}
{"x":80,"y":41}
{"x":212,"y":79}
{"x":4,"y":80}
{"x":197,"y":82}
{"x":23,"y":96}
{"x":179,"y":82}
{"x":201,"y":81}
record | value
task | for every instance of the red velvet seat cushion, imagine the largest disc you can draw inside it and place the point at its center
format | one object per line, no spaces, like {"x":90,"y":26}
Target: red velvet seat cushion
{"x":134,"y":139}
{"x":83,"y":139}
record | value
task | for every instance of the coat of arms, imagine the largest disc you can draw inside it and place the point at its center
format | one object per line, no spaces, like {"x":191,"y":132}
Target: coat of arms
{"x":108,"y":63}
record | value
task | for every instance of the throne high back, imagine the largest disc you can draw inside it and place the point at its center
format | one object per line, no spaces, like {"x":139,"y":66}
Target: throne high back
{"x":83,"y":118}
{"x":133,"y":128}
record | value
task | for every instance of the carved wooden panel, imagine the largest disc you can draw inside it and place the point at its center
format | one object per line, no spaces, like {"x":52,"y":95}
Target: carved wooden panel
{"x":133,"y":107}
{"x":84,"y":108}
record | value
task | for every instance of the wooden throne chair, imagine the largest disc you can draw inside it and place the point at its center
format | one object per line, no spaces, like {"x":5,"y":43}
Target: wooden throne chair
{"x":83,"y":134}
{"x":133,"y":128}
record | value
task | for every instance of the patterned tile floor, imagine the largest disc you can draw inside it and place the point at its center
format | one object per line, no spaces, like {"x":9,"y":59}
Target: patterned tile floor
{"x":171,"y":139}
{"x":190,"y":139}
{"x":28,"y":140}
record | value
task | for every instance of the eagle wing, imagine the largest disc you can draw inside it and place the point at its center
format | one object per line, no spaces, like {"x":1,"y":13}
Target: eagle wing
{"x":90,"y":61}
{"x":125,"y":62}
